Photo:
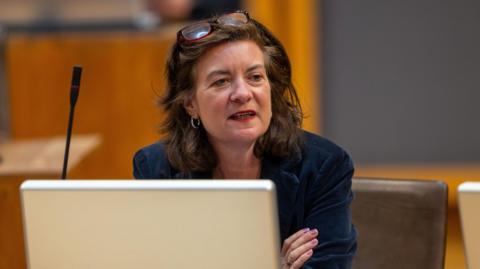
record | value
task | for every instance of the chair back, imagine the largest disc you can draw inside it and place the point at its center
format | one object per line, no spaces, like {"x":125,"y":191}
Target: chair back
{"x":400,"y":223}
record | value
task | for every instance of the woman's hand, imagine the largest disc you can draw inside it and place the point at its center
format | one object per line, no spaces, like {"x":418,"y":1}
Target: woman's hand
{"x":298,"y":248}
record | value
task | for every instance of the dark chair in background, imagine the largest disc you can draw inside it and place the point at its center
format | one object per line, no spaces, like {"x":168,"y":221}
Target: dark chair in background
{"x":400,"y":223}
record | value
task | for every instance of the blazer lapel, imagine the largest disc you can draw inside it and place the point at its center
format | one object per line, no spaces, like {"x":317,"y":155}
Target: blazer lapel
{"x":286,"y":183}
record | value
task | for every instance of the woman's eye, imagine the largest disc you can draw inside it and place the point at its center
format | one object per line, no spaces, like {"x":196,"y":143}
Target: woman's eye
{"x":256,"y":77}
{"x":220,"y":82}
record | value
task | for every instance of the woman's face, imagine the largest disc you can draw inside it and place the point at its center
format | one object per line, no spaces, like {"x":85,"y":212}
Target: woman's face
{"x":232,"y":93}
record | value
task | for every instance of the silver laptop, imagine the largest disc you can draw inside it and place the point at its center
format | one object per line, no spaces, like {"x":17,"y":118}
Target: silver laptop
{"x":150,"y":224}
{"x":469,"y":204}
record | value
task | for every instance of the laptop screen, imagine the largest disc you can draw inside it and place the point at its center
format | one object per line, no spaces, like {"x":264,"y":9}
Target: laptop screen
{"x":151,"y":224}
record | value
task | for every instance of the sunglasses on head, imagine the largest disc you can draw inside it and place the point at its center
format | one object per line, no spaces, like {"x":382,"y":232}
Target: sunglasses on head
{"x":201,"y":29}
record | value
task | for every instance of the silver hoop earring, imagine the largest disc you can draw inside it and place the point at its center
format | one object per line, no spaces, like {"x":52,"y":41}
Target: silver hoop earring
{"x":195,"y":122}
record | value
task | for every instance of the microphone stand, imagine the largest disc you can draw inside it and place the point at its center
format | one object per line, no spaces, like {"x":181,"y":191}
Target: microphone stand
{"x":74,"y":90}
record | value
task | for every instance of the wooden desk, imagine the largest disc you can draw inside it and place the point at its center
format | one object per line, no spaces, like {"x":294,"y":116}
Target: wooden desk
{"x":12,"y":249}
{"x":26,"y":159}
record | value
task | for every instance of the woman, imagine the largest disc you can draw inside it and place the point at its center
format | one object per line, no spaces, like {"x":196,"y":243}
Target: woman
{"x":233,"y":112}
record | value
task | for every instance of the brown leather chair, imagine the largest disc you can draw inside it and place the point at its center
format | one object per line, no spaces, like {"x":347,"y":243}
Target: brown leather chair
{"x":400,"y":223}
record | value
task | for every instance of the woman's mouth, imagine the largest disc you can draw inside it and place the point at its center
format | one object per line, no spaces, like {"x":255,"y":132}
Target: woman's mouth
{"x":243,"y":115}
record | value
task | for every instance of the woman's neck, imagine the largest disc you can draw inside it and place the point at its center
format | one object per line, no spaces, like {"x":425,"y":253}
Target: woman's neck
{"x":235,"y":163}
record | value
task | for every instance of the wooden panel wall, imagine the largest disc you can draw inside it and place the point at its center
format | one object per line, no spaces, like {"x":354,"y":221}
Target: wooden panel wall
{"x":122,"y":76}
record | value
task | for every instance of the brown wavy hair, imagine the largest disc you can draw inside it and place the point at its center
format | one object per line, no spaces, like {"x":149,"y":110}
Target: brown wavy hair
{"x":188,"y":149}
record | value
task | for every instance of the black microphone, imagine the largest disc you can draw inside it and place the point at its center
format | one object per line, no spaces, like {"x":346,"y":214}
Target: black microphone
{"x":74,"y":89}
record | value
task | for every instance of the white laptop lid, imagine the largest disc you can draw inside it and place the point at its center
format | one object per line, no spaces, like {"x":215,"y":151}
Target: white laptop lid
{"x":150,"y":224}
{"x":469,"y":204}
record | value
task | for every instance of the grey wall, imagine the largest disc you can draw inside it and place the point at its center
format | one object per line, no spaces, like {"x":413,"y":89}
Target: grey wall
{"x":402,"y":79}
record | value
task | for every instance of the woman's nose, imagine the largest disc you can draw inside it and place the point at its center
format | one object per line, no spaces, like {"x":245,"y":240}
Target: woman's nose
{"x":241,"y":92}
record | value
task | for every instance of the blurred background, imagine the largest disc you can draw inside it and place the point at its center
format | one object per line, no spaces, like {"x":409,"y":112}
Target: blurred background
{"x":394,"y":82}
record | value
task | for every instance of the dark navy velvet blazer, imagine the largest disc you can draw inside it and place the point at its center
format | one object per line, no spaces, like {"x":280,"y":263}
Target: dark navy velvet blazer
{"x":313,"y":190}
